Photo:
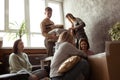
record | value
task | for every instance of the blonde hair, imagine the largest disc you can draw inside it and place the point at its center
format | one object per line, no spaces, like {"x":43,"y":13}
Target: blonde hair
{"x":66,"y":37}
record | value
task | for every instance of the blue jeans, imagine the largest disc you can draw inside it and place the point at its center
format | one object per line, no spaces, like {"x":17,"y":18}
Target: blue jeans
{"x":82,"y":67}
{"x":57,"y":78}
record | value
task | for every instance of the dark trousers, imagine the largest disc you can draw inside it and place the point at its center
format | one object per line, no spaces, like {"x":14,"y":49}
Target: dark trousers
{"x":50,"y":51}
{"x":50,"y":47}
{"x":82,"y":68}
{"x":40,"y":73}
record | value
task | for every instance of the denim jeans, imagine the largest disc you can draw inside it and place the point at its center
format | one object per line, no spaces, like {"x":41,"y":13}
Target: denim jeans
{"x":57,"y":78}
{"x":81,"y":68}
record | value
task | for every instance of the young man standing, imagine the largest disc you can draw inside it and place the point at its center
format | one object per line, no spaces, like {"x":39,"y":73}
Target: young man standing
{"x":46,"y":26}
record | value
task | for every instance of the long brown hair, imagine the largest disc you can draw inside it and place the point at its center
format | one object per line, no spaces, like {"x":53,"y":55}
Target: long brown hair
{"x":70,"y":15}
{"x":15,"y":46}
{"x":84,"y":39}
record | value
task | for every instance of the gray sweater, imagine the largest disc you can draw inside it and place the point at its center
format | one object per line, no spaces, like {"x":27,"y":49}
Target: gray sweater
{"x":62,"y":52}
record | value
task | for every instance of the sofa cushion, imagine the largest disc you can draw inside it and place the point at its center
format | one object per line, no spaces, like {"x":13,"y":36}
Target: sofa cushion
{"x":98,"y":64}
{"x":113,"y":57}
{"x":68,"y":64}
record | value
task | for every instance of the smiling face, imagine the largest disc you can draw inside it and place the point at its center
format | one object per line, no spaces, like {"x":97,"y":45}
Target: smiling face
{"x":84,"y":45}
{"x":48,"y":12}
{"x":20,"y":46}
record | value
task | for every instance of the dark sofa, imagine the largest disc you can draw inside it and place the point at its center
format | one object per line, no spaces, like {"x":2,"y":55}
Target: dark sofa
{"x":106,"y":65}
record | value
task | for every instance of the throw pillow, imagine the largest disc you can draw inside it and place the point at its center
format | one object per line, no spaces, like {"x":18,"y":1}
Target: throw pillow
{"x":68,"y":64}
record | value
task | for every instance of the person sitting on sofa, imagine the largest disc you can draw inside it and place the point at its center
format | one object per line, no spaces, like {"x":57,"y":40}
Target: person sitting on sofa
{"x":64,"y":49}
{"x":19,"y":62}
{"x":84,"y":46}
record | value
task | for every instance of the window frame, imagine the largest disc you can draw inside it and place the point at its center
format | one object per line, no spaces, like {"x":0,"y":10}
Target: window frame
{"x":27,"y":18}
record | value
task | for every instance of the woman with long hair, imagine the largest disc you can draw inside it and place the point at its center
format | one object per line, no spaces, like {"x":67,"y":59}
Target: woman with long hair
{"x":19,"y":62}
{"x":63,"y":50}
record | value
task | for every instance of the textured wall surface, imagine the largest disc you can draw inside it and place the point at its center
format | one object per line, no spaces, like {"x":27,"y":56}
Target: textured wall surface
{"x":99,"y":16}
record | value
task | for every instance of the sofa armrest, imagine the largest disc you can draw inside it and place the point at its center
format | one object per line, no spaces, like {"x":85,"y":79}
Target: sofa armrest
{"x":98,"y":64}
{"x":113,"y":58}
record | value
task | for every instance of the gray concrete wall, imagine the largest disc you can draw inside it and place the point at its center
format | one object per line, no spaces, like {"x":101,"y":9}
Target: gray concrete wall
{"x":99,"y":16}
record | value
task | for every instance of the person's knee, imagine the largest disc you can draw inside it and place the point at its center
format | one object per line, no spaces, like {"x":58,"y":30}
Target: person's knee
{"x":33,"y":77}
